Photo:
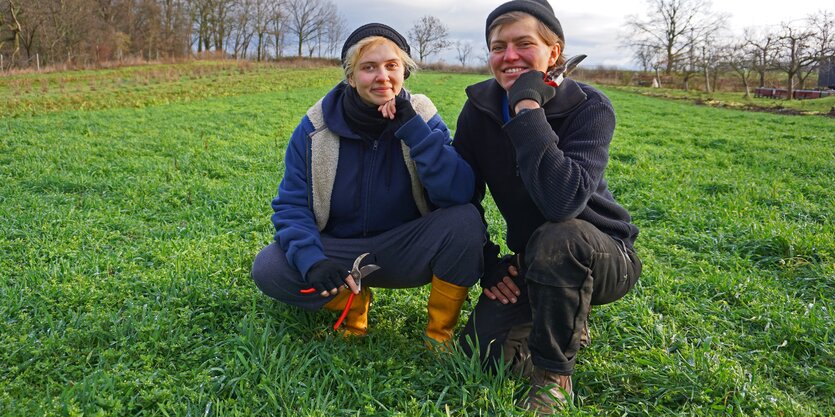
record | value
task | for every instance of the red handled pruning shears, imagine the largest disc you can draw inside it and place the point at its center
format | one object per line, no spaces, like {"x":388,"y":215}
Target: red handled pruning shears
{"x":556,"y":76}
{"x":357,"y":273}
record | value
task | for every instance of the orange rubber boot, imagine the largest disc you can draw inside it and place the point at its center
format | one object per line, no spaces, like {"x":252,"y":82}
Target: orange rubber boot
{"x":444,"y":308}
{"x":356,"y":322}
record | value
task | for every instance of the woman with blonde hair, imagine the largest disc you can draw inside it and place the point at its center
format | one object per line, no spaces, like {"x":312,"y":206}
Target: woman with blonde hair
{"x":370,"y":169}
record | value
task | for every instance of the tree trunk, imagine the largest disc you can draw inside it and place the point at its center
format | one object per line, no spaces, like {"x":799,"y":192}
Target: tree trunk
{"x":801,"y":80}
{"x":707,"y":80}
{"x":745,"y":84}
{"x":715,"y":77}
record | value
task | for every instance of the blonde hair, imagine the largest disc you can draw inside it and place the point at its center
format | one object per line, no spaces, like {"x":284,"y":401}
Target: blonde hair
{"x":354,"y":53}
{"x":548,"y":36}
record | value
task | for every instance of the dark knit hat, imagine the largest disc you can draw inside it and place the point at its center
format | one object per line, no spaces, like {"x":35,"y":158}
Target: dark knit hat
{"x":539,"y":9}
{"x":375,"y":29}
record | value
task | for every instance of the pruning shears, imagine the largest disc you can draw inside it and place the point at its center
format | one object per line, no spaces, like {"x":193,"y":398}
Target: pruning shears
{"x":357,"y":273}
{"x":556,"y":76}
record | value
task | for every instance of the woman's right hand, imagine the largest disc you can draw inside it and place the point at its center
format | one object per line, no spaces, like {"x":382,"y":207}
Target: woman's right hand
{"x":388,"y":109}
{"x":530,"y":88}
{"x":398,"y":109}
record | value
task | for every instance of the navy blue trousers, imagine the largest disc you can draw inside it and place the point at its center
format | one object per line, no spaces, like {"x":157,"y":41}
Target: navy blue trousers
{"x":446,"y":243}
{"x":567,"y":268}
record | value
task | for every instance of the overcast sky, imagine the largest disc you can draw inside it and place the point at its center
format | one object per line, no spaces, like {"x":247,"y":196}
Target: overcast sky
{"x":592,"y":27}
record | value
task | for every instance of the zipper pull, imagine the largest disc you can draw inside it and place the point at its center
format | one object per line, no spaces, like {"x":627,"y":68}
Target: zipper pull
{"x":376,"y":142}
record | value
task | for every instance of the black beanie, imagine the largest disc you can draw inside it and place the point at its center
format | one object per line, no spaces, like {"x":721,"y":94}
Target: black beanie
{"x":539,"y":9}
{"x":375,"y":29}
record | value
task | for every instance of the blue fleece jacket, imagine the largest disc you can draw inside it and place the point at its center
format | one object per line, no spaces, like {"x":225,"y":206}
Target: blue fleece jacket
{"x":372,"y":191}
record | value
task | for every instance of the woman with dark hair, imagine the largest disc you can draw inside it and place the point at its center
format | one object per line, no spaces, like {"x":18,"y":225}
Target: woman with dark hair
{"x":370,"y":168}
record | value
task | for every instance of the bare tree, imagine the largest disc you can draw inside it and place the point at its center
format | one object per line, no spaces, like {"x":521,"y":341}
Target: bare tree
{"x":174,"y":36}
{"x":219,"y":23}
{"x":649,"y":57}
{"x":93,"y":31}
{"x":200,"y":16}
{"x":821,"y":44}
{"x":336,"y":30}
{"x":709,"y":53}
{"x":10,"y":29}
{"x":304,"y":20}
{"x":740,"y":57}
{"x":263,"y":12}
{"x":320,"y":41}
{"x":646,"y":56}
{"x":278,"y":25}
{"x":672,"y":26}
{"x":241,"y":29}
{"x":63,"y":28}
{"x":689,"y":62}
{"x":794,"y":41}
{"x":146,"y":36}
{"x":463,"y":49}
{"x":430,"y":35}
{"x":763,"y":46}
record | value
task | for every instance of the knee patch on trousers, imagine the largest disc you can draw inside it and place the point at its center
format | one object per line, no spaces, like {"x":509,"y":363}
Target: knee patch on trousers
{"x":559,"y":254}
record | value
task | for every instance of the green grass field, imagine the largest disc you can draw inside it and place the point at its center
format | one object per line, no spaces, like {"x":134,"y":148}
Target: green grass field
{"x":134,"y":200}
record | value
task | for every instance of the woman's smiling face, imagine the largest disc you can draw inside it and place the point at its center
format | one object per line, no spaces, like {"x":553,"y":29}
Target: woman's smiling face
{"x":378,"y":76}
{"x":516,"y":48}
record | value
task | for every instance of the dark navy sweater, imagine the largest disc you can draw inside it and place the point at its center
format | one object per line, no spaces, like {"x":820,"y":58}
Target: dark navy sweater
{"x":543,"y":165}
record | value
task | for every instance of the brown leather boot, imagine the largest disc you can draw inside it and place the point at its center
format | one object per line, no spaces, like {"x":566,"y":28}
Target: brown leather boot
{"x":356,"y":322}
{"x":444,"y":308}
{"x":517,"y":355}
{"x":550,"y":392}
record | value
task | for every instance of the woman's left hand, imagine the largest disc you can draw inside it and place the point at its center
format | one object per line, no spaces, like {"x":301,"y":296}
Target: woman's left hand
{"x":506,"y":290}
{"x":388,"y":109}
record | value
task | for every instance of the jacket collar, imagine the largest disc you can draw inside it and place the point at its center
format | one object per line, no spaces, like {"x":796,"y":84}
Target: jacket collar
{"x":334,"y":115}
{"x":487,"y":97}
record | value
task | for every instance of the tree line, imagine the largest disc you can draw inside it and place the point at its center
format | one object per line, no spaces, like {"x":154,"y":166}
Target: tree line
{"x":49,"y":32}
{"x":94,"y":31}
{"x":687,"y":38}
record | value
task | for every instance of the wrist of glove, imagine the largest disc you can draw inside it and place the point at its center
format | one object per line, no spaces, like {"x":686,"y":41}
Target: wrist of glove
{"x":492,"y":276}
{"x":326,"y":275}
{"x":530,"y":86}
{"x":405,"y":111}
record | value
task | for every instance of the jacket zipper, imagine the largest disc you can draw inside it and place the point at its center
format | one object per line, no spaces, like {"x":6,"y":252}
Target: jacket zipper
{"x":369,"y":177}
